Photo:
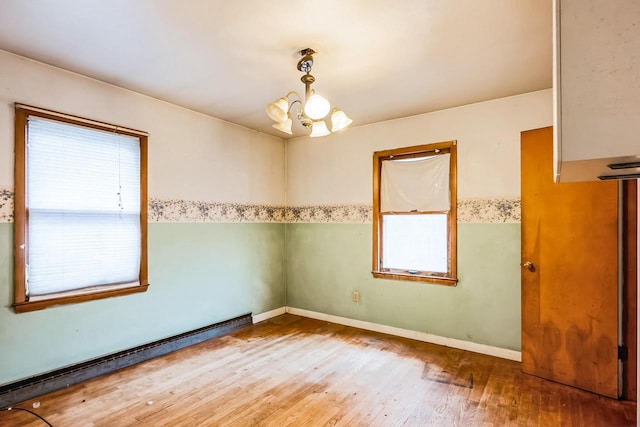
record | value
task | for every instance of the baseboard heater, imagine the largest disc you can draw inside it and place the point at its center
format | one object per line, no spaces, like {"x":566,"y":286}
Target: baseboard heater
{"x":12,"y":393}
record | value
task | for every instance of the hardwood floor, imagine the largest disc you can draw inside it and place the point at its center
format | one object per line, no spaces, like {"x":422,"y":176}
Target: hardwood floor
{"x":293,"y":371}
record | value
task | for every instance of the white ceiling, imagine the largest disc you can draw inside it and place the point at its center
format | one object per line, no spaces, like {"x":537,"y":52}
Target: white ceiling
{"x":377,"y":59}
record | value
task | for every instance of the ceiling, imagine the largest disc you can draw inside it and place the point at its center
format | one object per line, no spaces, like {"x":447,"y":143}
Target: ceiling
{"x":376,"y":59}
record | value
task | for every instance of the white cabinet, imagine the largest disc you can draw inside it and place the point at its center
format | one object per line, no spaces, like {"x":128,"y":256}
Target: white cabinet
{"x":596,"y":88}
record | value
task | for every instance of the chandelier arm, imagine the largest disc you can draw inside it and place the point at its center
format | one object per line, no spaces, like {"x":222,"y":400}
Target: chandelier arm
{"x":293,"y":92}
{"x":298,"y":101}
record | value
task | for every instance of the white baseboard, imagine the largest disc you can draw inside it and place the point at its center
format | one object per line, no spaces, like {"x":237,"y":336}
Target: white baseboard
{"x":268,"y":314}
{"x":407,"y":333}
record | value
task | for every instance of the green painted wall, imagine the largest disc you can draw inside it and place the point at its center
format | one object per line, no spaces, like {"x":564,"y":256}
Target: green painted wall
{"x":326,"y":262}
{"x":204,"y":273}
{"x":199,"y":274}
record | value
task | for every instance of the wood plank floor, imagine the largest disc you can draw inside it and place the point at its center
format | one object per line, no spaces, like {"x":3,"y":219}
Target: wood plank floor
{"x":293,"y":371}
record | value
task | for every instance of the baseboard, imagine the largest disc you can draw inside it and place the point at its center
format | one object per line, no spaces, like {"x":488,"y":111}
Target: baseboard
{"x":12,"y":393}
{"x":269,"y":314}
{"x":407,"y":333}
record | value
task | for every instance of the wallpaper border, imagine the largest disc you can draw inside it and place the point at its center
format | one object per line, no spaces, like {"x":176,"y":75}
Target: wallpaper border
{"x":494,"y":210}
{"x":480,"y":211}
{"x":6,"y":204}
{"x":172,"y":210}
{"x":490,"y":210}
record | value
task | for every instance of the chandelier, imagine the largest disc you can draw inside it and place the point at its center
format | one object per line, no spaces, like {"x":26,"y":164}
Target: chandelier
{"x":312,"y":112}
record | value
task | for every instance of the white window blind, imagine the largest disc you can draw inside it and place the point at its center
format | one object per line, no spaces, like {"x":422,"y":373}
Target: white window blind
{"x":83,"y":202}
{"x":415,"y":185}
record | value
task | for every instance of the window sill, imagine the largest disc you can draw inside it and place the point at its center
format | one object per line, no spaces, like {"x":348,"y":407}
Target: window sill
{"x":42,"y":303}
{"x":436,"y":280}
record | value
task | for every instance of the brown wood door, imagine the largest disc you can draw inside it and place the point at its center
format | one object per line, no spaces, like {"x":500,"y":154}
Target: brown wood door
{"x":570,"y":294}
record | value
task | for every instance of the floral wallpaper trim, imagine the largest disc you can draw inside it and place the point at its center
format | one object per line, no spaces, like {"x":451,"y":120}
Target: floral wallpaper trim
{"x":346,"y":214}
{"x":6,"y":204}
{"x":498,"y":210}
{"x":199,"y":211}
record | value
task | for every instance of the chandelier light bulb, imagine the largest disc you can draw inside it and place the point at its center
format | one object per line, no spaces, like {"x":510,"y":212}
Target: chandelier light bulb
{"x":317,"y":107}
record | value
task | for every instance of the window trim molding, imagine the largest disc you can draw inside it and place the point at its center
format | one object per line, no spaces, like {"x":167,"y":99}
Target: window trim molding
{"x":451,"y":277}
{"x":20,"y":249}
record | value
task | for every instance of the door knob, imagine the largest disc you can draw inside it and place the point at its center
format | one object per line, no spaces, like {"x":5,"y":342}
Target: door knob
{"x":529,"y":266}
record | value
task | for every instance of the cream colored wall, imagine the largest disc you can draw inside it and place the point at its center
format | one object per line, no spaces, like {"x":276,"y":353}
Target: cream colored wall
{"x":337,"y":169}
{"x":207,"y":263}
{"x":191,"y":156}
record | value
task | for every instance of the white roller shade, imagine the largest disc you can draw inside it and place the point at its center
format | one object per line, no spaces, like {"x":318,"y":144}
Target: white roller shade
{"x":83,"y":201}
{"x":415,"y":185}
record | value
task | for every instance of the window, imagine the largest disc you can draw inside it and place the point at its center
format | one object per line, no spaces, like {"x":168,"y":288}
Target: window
{"x":414,"y":213}
{"x":80,"y":209}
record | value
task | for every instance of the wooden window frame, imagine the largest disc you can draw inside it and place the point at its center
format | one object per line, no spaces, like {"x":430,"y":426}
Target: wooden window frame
{"x":21,"y":301}
{"x":450,"y":277}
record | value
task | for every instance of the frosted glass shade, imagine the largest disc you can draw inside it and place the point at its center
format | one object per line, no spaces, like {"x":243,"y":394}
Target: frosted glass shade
{"x":316,"y":107}
{"x":319,"y":128}
{"x":339,"y":120}
{"x":277,"y":110}
{"x":284,"y":126}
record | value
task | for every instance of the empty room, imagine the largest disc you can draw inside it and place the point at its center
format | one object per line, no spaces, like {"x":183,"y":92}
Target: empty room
{"x":310,"y":213}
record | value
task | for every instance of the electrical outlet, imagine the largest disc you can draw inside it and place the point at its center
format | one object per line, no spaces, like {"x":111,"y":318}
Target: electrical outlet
{"x":355,"y":296}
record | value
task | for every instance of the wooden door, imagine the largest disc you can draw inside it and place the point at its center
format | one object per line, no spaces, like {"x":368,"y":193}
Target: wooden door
{"x":570,"y":291}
